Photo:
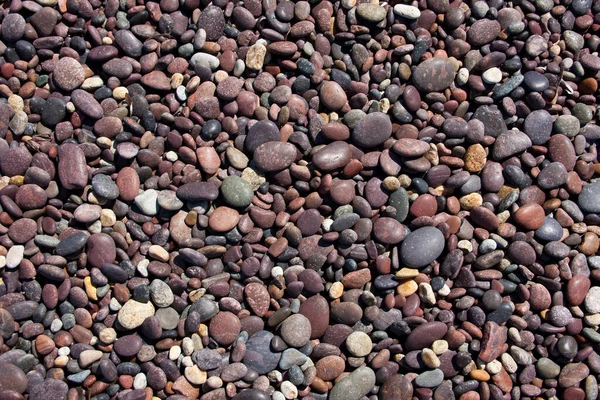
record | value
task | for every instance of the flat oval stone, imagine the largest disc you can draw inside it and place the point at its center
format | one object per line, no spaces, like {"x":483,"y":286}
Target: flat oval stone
{"x":72,"y":167}
{"x":550,"y":230}
{"x":333,"y":156}
{"x":275,"y":156}
{"x":372,"y":130}
{"x":259,"y":133}
{"x":589,"y":198}
{"x":421,"y":247}
{"x":237,"y":191}
{"x":15,"y":161}
{"x":68,"y":74}
{"x":316,"y":310}
{"x":424,"y":335}
{"x":86,"y":103}
{"x":12,"y":378}
{"x":354,"y":386}
{"x":434,"y":75}
{"x":388,"y":230}
{"x":72,"y":244}
{"x":259,"y":355}
{"x":483,"y":32}
{"x":538,"y":126}
{"x":296,"y":330}
{"x":510,"y":143}
{"x":198,"y":191}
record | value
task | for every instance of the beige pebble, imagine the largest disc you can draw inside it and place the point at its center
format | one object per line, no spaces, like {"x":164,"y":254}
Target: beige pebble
{"x":157,"y":252}
{"x":336,"y":290}
{"x":430,"y":358}
{"x":195,"y":375}
{"x":407,"y":288}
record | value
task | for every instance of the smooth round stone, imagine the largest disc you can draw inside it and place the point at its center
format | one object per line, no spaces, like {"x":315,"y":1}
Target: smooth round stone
{"x":434,"y":75}
{"x":72,"y":244}
{"x":296,"y":330}
{"x":105,"y":187}
{"x":550,"y":230}
{"x":332,"y":95}
{"x":399,"y":200}
{"x":372,"y":130}
{"x":223,"y":219}
{"x":492,"y":75}
{"x":224,"y":328}
{"x":12,"y":378}
{"x":560,"y":316}
{"x":15,"y":161}
{"x":316,"y":310}
{"x":567,"y":346}
{"x":212,"y":21}
{"x":237,"y":191}
{"x":359,"y":344}
{"x":13,"y":27}
{"x":309,"y":222}
{"x":388,"y":230}
{"x":535,"y":82}
{"x":568,"y":125}
{"x":354,"y":386}
{"x":552,"y":176}
{"x":291,"y":357}
{"x":50,"y":389}
{"x":371,"y":12}
{"x":577,"y":289}
{"x":333,"y":156}
{"x":509,"y":144}
{"x":422,"y":246}
{"x":68,"y":74}
{"x":430,"y":379}
{"x":207,"y":359}
{"x":424,"y":335}
{"x":167,"y":199}
{"x":251,"y":394}
{"x":275,"y":156}
{"x":538,"y":126}
{"x":592,"y":300}
{"x":589,"y":198}
{"x":259,"y":355}
{"x":128,"y":346}
{"x":22,"y":230}
{"x":547,"y":368}
{"x":259,"y":133}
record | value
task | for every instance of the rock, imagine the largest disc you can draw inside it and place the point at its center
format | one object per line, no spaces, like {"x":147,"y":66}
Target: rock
{"x":68,"y":74}
{"x":372,"y":130}
{"x":354,"y":386}
{"x":275,"y":156}
{"x":133,"y":313}
{"x":72,"y":167}
{"x":12,"y":378}
{"x":434,"y":75}
{"x":259,"y":355}
{"x":237,"y":192}
{"x":589,"y":198}
{"x":296,"y":330}
{"x":421,"y":247}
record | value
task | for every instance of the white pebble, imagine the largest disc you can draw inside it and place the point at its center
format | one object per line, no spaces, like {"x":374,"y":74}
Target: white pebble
{"x":407,"y":11}
{"x":14,"y":256}
{"x":140,"y":381}
{"x":174,"y":353}
{"x":509,"y":363}
{"x":492,"y":75}
{"x":276,"y":271}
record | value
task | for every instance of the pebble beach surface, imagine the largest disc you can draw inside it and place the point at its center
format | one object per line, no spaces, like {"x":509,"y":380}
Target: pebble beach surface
{"x":319,"y":200}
